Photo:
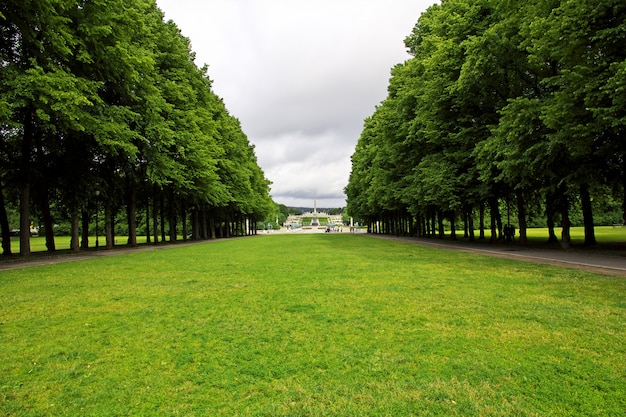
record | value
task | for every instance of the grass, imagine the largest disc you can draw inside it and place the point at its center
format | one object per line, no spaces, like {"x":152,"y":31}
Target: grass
{"x":310,"y":325}
{"x":604,"y":234}
{"x":38,"y":243}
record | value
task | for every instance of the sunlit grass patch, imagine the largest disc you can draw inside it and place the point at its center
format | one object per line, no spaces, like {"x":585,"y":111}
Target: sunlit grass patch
{"x":319,"y":325}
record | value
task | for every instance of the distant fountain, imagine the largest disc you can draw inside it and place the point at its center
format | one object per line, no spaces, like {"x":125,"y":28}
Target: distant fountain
{"x":314,"y":220}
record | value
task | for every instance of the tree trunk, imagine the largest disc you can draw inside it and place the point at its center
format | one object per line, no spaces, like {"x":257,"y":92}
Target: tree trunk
{"x":147,"y":217}
{"x":183,"y":215}
{"x":624,"y":190}
{"x":172,"y":217}
{"x":74,"y":240}
{"x":162,"y":217}
{"x":25,"y":220}
{"x":481,"y":219}
{"x":112,"y":218}
{"x":155,"y":214}
{"x":433,"y":223}
{"x":550,"y":210}
{"x":585,"y":199}
{"x":195,"y":229}
{"x":565,"y":233}
{"x":465,"y":223}
{"x":131,"y":213}
{"x":440,"y":224}
{"x":495,"y":213}
{"x":48,"y":223}
{"x":43,"y":196}
{"x":108,"y":224}
{"x":212,"y":232}
{"x":452,"y":227}
{"x":499,"y":223}
{"x":521,"y":216}
{"x":470,"y":221}
{"x":84,"y":241}
{"x":4,"y":226}
{"x":25,"y":168}
{"x":204,"y":226}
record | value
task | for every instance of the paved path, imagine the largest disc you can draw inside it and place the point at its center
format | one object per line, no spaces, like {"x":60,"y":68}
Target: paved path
{"x":606,"y":261}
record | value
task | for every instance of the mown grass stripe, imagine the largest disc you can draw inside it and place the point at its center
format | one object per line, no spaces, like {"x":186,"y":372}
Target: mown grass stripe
{"x":319,"y":325}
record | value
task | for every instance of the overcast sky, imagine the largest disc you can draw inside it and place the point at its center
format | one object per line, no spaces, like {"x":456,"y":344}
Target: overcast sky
{"x":301,"y":76}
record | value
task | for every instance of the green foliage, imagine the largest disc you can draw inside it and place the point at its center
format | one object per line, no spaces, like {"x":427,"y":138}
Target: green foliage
{"x":341,"y":325}
{"x":106,"y":96}
{"x":500,"y":98}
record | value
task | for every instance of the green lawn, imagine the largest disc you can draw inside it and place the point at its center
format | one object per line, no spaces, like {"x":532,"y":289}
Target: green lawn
{"x":310,"y":325}
{"x":604,"y":234}
{"x":38,"y":243}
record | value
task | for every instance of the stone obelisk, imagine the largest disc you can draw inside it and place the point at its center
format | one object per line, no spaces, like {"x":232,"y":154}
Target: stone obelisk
{"x":314,"y":221}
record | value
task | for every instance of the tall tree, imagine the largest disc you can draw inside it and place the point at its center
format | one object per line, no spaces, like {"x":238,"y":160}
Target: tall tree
{"x":45,"y":98}
{"x":585,"y":109}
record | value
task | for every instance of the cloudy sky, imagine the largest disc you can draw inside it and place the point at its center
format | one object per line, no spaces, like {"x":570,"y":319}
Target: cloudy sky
{"x":301,"y":76}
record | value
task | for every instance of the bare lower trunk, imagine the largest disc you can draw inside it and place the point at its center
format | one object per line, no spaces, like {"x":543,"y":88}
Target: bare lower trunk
{"x":131,"y":210}
{"x":147,"y":218}
{"x":4,"y":226}
{"x":25,"y":220}
{"x":452,"y":227}
{"x":162,"y":217}
{"x":155,"y":216}
{"x":585,"y":199}
{"x":470,"y":220}
{"x":440,"y":224}
{"x":84,"y":241}
{"x":495,"y":223}
{"x":565,"y":232}
{"x":481,"y":216}
{"x":550,"y":210}
{"x":26,"y":176}
{"x":521,"y":216}
{"x":48,"y":223}
{"x":108,"y":225}
{"x":183,"y":216}
{"x":172,"y":218}
{"x":74,"y":240}
{"x":624,"y":190}
{"x":212,"y":227}
{"x":204,"y":227}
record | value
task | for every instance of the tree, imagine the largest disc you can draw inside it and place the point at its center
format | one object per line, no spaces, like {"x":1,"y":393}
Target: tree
{"x":105,"y":96}
{"x":46,"y":98}
{"x":500,"y":99}
{"x":585,"y":109}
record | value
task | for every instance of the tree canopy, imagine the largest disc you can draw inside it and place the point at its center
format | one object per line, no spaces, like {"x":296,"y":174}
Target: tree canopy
{"x":101,"y":102}
{"x":503,"y":103}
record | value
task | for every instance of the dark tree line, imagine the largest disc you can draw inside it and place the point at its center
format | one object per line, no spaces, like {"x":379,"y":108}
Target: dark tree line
{"x":104,"y":97}
{"x":518,"y":101}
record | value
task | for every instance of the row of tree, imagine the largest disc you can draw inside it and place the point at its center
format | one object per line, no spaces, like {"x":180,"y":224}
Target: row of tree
{"x":520,"y":101}
{"x":101,"y":101}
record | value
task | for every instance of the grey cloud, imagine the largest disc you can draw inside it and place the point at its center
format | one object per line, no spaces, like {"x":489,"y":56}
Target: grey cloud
{"x":301,"y":77}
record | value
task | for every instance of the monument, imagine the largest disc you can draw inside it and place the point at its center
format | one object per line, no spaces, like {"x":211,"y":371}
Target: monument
{"x":314,"y":220}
